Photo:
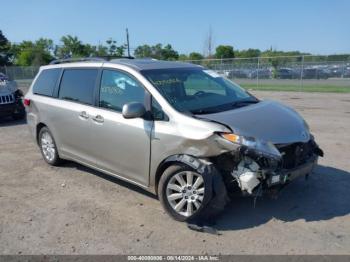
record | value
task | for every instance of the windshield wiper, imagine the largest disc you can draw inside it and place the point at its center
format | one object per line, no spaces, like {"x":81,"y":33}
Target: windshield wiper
{"x":213,"y":110}
{"x":203,"y":111}
{"x":244,"y":103}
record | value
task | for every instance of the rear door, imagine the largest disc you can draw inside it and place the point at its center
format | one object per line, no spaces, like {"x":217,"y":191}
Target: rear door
{"x":121,"y":146}
{"x":71,"y":113}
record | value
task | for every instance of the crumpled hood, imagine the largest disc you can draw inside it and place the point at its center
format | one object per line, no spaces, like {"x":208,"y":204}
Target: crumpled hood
{"x":266,"y":120}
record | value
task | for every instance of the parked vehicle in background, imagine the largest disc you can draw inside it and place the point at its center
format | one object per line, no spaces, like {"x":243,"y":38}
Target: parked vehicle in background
{"x":176,"y":129}
{"x":287,"y":73}
{"x":263,"y":73}
{"x":10,"y":99}
{"x":315,"y":73}
{"x":346,"y":72}
{"x":238,"y":73}
{"x":3,"y":77}
{"x":336,"y":71}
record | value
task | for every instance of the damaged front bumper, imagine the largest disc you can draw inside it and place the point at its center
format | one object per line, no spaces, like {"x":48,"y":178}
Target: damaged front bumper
{"x":256,"y":173}
{"x":285,"y":176}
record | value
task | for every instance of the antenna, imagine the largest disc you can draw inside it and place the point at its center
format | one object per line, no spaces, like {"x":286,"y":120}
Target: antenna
{"x":127,"y":41}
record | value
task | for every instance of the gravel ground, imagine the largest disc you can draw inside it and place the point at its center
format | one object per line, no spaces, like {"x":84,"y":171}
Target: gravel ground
{"x":75,"y":210}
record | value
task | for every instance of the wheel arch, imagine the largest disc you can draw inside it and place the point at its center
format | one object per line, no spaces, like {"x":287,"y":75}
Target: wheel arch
{"x":191,"y":161}
{"x":39,"y":126}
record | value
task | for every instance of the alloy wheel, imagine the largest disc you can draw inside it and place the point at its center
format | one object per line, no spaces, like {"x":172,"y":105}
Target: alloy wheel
{"x":48,"y":147}
{"x":185,"y":192}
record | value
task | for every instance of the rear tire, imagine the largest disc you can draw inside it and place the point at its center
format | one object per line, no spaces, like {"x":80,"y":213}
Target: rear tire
{"x":183,"y":192}
{"x":48,"y":147}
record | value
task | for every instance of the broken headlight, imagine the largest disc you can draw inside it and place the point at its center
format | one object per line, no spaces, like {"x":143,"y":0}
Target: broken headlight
{"x":260,"y":146}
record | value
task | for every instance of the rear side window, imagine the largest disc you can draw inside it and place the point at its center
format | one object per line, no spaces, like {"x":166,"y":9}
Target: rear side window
{"x":46,"y":82}
{"x":78,"y":85}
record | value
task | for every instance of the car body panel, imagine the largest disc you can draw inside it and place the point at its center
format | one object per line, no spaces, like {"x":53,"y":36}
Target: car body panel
{"x":266,"y":120}
{"x":119,"y":143}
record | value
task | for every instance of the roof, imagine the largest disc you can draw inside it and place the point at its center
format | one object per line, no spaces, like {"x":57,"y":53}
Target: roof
{"x":148,"y":64}
{"x":136,"y":64}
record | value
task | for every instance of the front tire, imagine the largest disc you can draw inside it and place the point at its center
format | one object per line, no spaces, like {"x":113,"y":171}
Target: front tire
{"x":182,"y":192}
{"x":48,"y":147}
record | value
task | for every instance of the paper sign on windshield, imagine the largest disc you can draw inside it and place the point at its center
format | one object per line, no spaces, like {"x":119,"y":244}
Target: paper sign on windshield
{"x":211,"y":73}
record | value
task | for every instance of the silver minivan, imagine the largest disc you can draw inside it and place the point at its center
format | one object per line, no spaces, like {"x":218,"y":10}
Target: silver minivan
{"x":178,"y":130}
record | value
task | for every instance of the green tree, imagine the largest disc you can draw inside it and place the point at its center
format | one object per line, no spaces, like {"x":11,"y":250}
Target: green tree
{"x":168,"y":53}
{"x":183,"y":57}
{"x":5,"y":47}
{"x":28,"y":53}
{"x":72,"y":47}
{"x":157,"y":51}
{"x":113,"y":49}
{"x":195,"y":56}
{"x":99,"y":51}
{"x":143,"y":51}
{"x":224,"y":51}
{"x":249,"y":53}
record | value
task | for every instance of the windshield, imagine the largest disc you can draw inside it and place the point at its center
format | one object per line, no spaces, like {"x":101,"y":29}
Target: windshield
{"x":198,"y":91}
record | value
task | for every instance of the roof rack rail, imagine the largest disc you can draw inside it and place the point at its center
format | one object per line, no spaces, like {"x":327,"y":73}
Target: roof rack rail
{"x":72,"y":60}
{"x":86,"y":59}
{"x":120,"y":57}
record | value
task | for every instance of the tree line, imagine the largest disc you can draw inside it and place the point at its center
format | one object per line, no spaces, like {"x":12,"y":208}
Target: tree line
{"x":43,"y":50}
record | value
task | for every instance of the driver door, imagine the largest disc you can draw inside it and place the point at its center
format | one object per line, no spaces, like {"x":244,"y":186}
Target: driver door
{"x":121,"y":146}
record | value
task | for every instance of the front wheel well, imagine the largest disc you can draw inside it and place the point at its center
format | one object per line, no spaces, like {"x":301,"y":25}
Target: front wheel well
{"x":38,"y":128}
{"x":162,"y":167}
{"x":188,"y":160}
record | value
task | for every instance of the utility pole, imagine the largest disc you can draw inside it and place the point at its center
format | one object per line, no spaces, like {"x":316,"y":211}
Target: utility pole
{"x":210,"y":42}
{"x":127,"y":41}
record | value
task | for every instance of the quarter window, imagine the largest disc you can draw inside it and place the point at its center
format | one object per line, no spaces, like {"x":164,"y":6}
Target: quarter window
{"x":78,"y":85}
{"x":46,"y":82}
{"x":157,"y":111}
{"x":118,"y":88}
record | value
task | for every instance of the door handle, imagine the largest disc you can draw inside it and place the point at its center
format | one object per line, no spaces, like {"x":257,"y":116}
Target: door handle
{"x":84,"y":115}
{"x":98,"y":119}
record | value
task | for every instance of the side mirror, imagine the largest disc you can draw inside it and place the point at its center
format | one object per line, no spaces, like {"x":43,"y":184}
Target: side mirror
{"x":133,"y":110}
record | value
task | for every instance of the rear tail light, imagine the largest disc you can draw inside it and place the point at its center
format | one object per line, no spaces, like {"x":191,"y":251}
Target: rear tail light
{"x":26,"y":102}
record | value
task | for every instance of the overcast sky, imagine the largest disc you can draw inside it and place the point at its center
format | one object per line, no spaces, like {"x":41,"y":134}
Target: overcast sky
{"x":316,"y":26}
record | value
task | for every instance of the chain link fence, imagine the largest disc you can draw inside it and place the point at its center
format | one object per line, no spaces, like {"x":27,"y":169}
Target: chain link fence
{"x":283,"y":73}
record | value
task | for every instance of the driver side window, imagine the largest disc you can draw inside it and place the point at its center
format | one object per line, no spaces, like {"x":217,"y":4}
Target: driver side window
{"x":118,"y":88}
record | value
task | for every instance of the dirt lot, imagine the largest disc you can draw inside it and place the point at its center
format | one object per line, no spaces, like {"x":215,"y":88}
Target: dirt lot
{"x":75,"y":210}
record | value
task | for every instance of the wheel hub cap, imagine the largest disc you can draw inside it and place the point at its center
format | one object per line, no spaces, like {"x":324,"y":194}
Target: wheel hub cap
{"x":47,"y":146}
{"x":185,"y":192}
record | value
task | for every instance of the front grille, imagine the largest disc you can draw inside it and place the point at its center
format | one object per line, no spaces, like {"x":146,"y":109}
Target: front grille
{"x":7,"y":99}
{"x":296,"y":154}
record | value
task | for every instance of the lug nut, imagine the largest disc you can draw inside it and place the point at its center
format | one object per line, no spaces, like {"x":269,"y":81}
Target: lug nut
{"x":186,"y":197}
{"x":194,"y":192}
{"x":189,"y":188}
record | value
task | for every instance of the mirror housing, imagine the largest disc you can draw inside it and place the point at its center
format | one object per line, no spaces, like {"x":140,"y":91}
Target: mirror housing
{"x":133,"y":110}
